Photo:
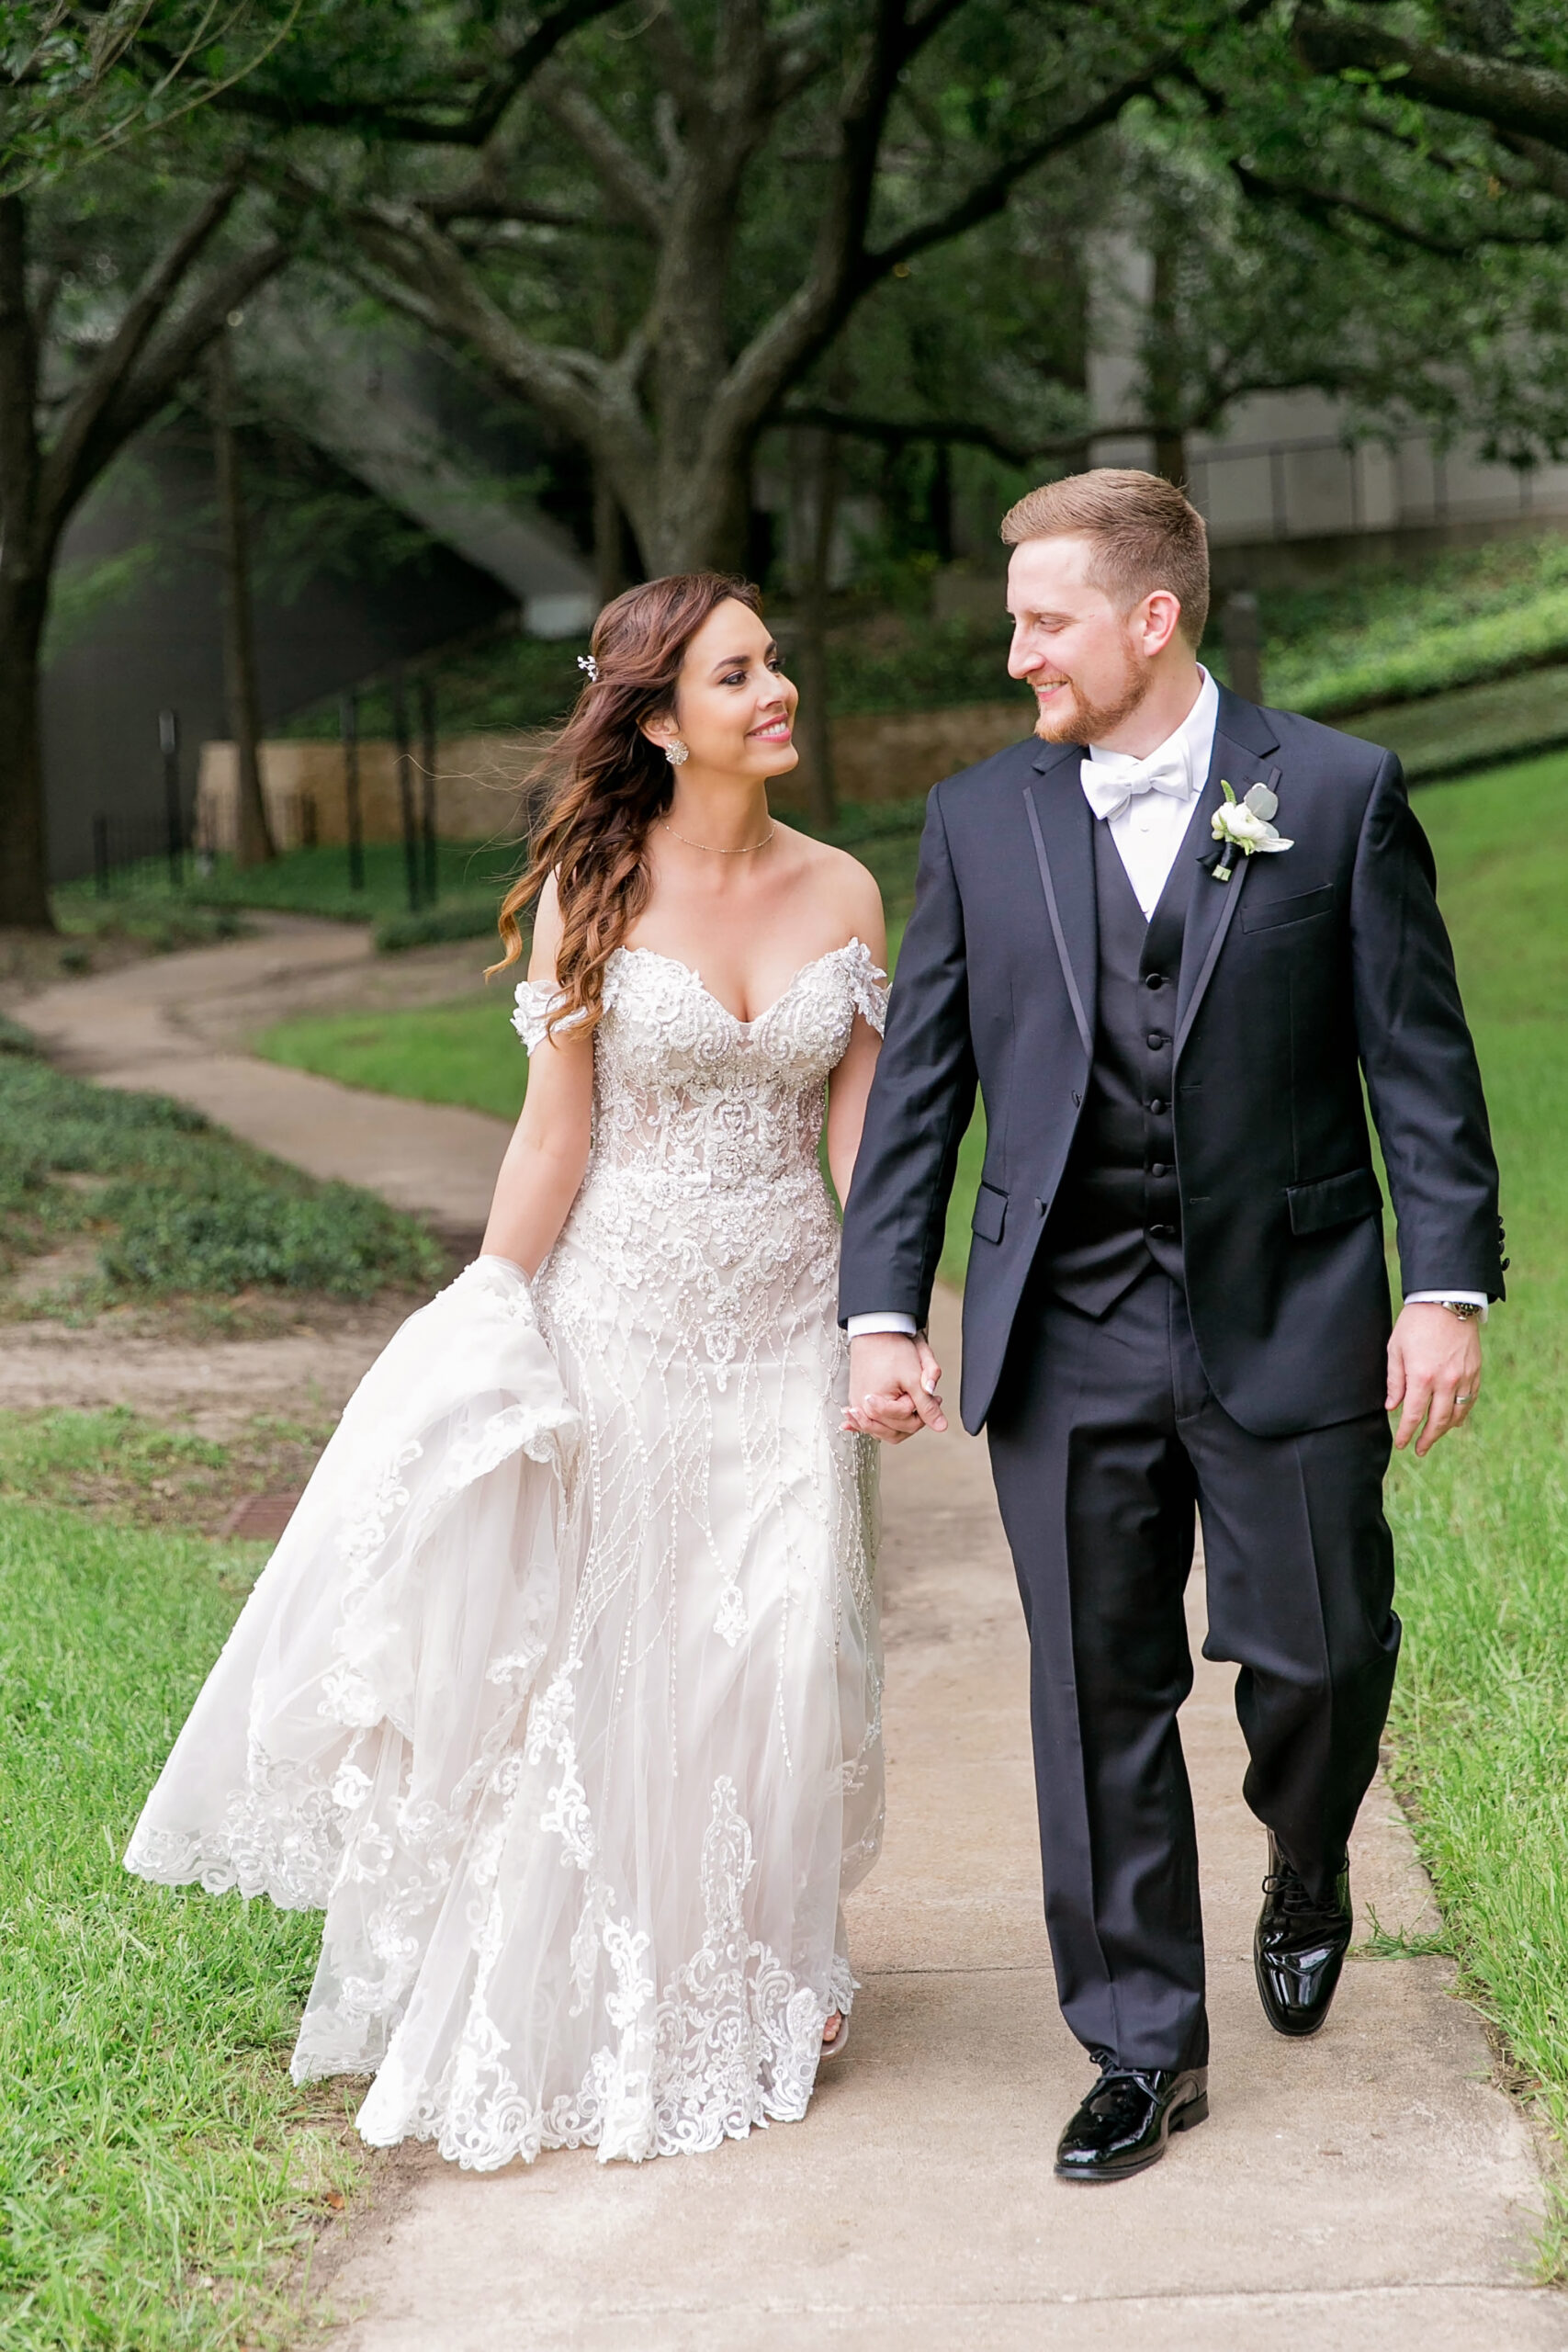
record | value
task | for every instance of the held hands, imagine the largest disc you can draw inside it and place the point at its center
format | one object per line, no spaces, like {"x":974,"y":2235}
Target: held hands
{"x":893,"y":1388}
{"x":1434,"y":1373}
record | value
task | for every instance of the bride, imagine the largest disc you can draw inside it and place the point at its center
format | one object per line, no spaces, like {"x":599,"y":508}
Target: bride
{"x":560,"y":1695}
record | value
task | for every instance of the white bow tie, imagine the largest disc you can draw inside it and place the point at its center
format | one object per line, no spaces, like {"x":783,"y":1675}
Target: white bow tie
{"x":1109,"y":785}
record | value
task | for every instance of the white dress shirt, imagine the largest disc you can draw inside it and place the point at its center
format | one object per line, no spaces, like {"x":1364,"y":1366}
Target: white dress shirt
{"x":1148,"y":806}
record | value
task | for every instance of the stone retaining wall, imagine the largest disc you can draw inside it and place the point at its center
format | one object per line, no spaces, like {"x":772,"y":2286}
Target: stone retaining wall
{"x":893,"y":755}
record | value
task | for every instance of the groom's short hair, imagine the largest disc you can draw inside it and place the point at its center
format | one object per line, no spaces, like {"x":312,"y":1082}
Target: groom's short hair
{"x":1143,"y":535}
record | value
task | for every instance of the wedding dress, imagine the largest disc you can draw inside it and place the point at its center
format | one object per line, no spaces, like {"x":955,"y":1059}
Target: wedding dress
{"x":560,"y":1695}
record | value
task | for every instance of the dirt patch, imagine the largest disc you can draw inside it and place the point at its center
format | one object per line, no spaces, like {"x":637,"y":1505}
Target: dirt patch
{"x":213,"y":1383}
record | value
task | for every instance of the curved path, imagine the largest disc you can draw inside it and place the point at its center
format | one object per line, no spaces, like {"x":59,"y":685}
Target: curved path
{"x":1370,"y":2191}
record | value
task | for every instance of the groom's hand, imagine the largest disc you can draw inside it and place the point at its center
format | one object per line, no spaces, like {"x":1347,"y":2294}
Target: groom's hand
{"x":1434,"y":1373}
{"x":893,"y":1388}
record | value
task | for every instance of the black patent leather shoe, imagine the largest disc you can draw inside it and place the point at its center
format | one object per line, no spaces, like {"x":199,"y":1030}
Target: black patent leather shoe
{"x":1124,"y":2124}
{"x":1299,"y":1947}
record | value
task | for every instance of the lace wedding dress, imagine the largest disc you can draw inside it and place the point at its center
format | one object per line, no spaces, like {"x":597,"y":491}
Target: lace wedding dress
{"x":560,"y":1695}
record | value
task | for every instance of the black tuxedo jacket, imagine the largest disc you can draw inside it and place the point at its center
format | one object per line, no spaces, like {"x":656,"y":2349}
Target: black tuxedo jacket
{"x":1308,"y":971}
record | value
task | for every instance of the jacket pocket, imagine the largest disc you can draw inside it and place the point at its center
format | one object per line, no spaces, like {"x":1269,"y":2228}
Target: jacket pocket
{"x":1338,"y":1200}
{"x":990,"y":1212}
{"x":1275,"y":911}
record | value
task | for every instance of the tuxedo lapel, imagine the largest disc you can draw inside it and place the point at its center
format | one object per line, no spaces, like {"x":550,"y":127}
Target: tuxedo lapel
{"x":1243,"y":741}
{"x":1062,"y":828}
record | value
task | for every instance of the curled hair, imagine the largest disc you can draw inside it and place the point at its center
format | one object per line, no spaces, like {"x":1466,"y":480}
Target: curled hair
{"x":1143,"y":535}
{"x":603,"y":784}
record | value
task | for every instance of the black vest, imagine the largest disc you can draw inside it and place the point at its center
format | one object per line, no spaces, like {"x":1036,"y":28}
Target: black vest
{"x":1118,"y":1206}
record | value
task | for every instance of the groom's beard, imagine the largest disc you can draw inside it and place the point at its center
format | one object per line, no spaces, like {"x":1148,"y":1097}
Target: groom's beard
{"x":1077,"y":719}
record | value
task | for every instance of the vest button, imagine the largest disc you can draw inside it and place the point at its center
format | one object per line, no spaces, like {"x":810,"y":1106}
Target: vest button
{"x":1162,"y":1233}
{"x":1158,"y":1168}
{"x":1155,"y":1040}
{"x":1156,"y":1106}
{"x":1154,"y":980}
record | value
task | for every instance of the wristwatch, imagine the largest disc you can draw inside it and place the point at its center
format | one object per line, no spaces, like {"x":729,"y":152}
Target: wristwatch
{"x":1465,"y":1309}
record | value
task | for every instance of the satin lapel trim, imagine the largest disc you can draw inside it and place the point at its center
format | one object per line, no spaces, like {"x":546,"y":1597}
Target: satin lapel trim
{"x":1210,"y":909}
{"x":1066,"y":877}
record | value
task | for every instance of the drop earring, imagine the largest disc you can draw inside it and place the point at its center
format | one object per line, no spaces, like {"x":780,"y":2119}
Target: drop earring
{"x":677,"y":753}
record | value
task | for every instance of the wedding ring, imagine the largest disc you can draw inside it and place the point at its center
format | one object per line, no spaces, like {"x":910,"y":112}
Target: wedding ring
{"x":1460,"y":1400}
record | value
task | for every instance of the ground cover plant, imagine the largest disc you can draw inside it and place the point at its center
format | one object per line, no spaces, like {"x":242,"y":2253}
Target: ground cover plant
{"x":160,"y":2177}
{"x":172,"y":1205}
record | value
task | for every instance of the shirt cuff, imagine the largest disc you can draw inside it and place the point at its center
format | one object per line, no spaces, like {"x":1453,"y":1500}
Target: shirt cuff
{"x":1465,"y":1298}
{"x":860,"y":1327}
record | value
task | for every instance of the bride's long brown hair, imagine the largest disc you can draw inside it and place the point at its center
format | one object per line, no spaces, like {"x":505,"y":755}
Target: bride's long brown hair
{"x":604,"y":784}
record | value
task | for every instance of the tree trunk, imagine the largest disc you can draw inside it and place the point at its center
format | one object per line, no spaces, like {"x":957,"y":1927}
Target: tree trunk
{"x":24,"y":846}
{"x":1164,"y":367}
{"x":609,"y":537}
{"x":816,"y":509}
{"x":26,"y":552}
{"x":253,"y":844}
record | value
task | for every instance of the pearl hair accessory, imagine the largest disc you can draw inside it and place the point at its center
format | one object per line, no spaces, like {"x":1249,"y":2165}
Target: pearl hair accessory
{"x":586,"y":661}
{"x":677,"y":753}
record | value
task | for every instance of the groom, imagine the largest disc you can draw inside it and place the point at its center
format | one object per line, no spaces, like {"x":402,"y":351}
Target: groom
{"x":1177,"y":1295}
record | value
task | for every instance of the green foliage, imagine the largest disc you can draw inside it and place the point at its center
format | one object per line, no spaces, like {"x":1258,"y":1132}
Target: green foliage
{"x":463,"y":1052}
{"x":434,"y":926}
{"x":183,"y":1206}
{"x":506,"y":682}
{"x":1387,"y":636}
{"x":156,"y":2180}
{"x":77,"y":81}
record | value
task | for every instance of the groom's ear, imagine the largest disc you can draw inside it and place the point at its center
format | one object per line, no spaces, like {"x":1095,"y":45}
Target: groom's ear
{"x":1157,"y":621}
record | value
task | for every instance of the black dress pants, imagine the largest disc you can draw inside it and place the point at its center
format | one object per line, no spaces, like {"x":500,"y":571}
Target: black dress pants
{"x":1104,"y":1439}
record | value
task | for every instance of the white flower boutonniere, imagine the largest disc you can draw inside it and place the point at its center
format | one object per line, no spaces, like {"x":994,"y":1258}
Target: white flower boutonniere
{"x":1245,"y":825}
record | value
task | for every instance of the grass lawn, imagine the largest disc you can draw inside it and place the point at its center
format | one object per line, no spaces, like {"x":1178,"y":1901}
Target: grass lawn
{"x":1479,"y":1726}
{"x":159,"y":2176}
{"x":463,"y":1052}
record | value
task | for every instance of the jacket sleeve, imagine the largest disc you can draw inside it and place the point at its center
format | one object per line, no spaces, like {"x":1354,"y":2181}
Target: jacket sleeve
{"x":921,"y":1102}
{"x":1423,"y":1081}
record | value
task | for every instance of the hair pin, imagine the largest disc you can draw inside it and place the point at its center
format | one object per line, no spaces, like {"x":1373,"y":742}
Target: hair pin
{"x":586,"y":661}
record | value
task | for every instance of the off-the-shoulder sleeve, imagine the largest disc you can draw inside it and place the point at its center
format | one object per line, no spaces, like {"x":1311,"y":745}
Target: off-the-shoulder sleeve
{"x":868,"y":984}
{"x":536,"y":999}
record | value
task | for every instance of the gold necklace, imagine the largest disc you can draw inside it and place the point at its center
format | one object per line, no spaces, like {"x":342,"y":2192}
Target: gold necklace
{"x":714,"y":849}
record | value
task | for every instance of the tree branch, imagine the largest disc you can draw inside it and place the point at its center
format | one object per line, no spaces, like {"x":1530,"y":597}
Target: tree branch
{"x":105,"y":379}
{"x":78,"y":458}
{"x":1321,"y":204}
{"x":622,"y":173}
{"x":1529,"y":99}
{"x":422,"y":273}
{"x":990,"y":195}
{"x":427,"y":119}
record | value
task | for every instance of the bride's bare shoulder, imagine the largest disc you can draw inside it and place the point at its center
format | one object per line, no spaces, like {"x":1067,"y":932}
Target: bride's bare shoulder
{"x":841,"y":885}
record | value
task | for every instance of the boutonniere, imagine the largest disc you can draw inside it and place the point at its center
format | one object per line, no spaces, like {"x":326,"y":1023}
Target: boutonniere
{"x":1245,"y":825}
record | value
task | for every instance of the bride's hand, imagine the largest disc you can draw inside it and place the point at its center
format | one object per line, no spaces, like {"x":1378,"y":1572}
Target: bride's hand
{"x":894,"y":1387}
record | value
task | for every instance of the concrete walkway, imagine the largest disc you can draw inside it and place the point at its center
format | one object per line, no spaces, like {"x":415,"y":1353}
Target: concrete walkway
{"x":1370,"y":2191}
{"x":174,"y":1025}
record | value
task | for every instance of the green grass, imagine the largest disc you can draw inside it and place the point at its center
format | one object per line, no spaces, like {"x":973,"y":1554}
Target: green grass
{"x":1480,"y":1724}
{"x":159,"y":2175}
{"x":465,"y":1052}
